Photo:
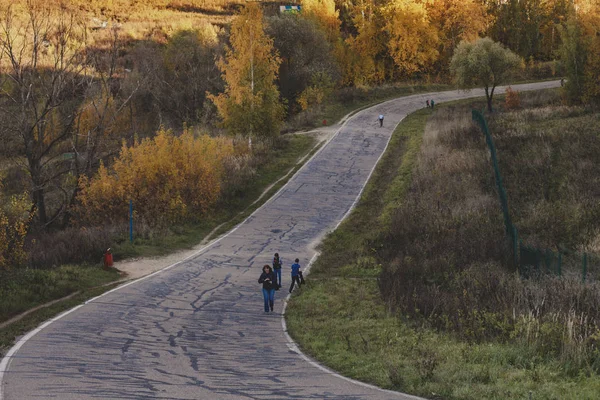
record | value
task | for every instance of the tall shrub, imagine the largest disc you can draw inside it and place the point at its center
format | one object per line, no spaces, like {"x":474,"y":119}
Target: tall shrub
{"x":15,"y":218}
{"x":168,"y":178}
{"x":250,"y":105}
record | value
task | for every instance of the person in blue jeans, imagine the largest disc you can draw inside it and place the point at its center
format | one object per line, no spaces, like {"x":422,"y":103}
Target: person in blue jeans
{"x":295,"y":274}
{"x":268,"y":280}
{"x":277,"y":268}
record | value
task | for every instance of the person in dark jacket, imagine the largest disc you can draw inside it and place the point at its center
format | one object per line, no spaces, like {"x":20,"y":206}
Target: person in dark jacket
{"x":295,"y":274}
{"x":277,"y":268}
{"x":268,"y":280}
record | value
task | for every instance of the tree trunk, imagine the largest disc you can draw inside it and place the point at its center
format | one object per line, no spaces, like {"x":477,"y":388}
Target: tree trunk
{"x":488,"y":96}
{"x":40,"y":203}
{"x":491,"y":97}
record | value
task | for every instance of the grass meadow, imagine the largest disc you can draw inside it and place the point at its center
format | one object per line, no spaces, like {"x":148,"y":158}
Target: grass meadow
{"x":416,"y":290}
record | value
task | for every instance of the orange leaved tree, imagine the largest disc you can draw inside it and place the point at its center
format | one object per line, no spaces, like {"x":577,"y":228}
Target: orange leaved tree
{"x":168,"y":178}
{"x":15,"y":218}
{"x":412,"y":40}
{"x":250,"y":105}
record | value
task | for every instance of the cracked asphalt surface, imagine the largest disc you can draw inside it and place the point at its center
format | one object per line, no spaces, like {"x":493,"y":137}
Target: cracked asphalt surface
{"x":197,"y":330}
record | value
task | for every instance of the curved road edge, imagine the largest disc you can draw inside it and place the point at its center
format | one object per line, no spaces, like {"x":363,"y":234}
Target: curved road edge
{"x":6,"y":360}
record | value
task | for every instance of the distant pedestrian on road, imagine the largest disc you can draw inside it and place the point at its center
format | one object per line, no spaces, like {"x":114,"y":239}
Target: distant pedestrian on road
{"x":267,"y":278}
{"x":427,"y":102}
{"x":295,"y":274}
{"x":432,"y":104}
{"x":277,"y":261}
{"x":380,"y":120}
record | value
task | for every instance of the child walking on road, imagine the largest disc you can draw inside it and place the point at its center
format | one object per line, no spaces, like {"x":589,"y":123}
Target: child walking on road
{"x":277,"y":269}
{"x":268,"y":280}
{"x":295,"y":274}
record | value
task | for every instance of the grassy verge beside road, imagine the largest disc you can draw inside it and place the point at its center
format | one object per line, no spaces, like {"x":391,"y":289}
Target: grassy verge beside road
{"x":23,"y":289}
{"x":10,"y":332}
{"x":281,"y":160}
{"x":341,"y":319}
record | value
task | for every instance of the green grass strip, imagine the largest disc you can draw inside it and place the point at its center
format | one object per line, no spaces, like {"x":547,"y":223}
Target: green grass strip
{"x":340,"y":319}
{"x":34,"y":319}
{"x":227,"y":213}
{"x":25,"y":289}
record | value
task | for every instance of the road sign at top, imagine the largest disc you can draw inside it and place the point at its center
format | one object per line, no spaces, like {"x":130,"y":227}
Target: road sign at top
{"x":283,"y":9}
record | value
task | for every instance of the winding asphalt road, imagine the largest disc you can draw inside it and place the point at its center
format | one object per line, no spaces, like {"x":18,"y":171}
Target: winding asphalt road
{"x":197,"y":330}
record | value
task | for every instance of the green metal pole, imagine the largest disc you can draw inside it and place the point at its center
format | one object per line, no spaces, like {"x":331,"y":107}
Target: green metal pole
{"x":480,"y":119}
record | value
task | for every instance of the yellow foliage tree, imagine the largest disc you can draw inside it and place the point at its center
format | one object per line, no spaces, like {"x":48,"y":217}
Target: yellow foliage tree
{"x":250,"y":104}
{"x":326,"y":16}
{"x":15,"y":219}
{"x":168,"y":178}
{"x":455,"y":21}
{"x":412,"y":42}
{"x":310,"y":97}
{"x":364,"y":64}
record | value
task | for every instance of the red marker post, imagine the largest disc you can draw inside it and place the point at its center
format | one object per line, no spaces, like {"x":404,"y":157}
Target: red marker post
{"x":108,"y":259}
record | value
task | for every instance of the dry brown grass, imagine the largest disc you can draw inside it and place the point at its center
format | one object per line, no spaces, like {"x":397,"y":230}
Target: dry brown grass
{"x":446,"y":259}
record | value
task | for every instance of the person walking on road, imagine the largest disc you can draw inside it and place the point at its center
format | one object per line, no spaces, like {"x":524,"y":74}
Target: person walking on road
{"x":432,"y":103}
{"x":277,"y":269}
{"x":295,"y":274}
{"x":267,"y":278}
{"x":380,"y":120}
{"x":427,"y":103}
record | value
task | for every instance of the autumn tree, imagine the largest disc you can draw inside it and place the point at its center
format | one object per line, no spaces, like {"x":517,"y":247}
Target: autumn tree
{"x":455,"y":21}
{"x":365,"y":61}
{"x":557,"y":12}
{"x":325,"y":14}
{"x":41,"y":49}
{"x":483,"y":62}
{"x":528,"y":27}
{"x":15,"y":218}
{"x":100,"y":122}
{"x":411,"y":40}
{"x":167,"y":177}
{"x":188,"y":72}
{"x":306,"y":55}
{"x":250,"y":104}
{"x":574,"y":57}
{"x":589,"y":14}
